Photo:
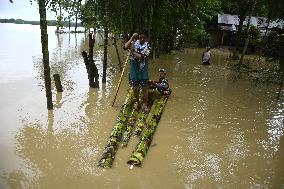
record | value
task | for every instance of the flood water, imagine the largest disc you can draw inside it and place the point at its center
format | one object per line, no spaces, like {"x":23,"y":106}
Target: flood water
{"x":215,"y":132}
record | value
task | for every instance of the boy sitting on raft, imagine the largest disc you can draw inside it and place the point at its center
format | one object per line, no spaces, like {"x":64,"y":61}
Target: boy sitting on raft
{"x":162,"y":85}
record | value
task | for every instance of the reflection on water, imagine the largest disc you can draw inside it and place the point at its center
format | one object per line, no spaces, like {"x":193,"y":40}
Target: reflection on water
{"x":214,"y":133}
{"x":278,"y":178}
{"x":58,"y":102}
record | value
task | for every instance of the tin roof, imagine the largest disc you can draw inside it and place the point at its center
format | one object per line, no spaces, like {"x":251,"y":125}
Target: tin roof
{"x":261,"y":22}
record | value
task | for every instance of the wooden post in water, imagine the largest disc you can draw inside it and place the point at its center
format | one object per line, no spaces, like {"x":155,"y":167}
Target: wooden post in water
{"x":93,"y":71}
{"x":57,"y":83}
{"x":91,"y":44}
{"x":91,"y":68}
{"x":86,"y":61}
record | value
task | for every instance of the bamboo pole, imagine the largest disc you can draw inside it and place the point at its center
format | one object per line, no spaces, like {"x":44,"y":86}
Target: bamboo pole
{"x":106,"y":31}
{"x":117,"y":53}
{"x":120,"y":79}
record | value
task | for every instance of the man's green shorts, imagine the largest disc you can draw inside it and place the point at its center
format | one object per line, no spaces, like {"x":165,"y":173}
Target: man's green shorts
{"x":138,"y":76}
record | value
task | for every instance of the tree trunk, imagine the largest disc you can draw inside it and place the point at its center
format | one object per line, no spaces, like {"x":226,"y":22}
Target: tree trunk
{"x":45,"y":53}
{"x":77,"y":5}
{"x":117,"y":53}
{"x":222,"y":39}
{"x":280,"y":86}
{"x":247,"y":34}
{"x":86,"y":61}
{"x":105,"y":42}
{"x":268,"y":21}
{"x":69,"y":23}
{"x":267,"y":27}
{"x":60,"y":14}
{"x":154,"y":50}
{"x":93,"y":71}
{"x":76,"y":22}
{"x":238,"y":37}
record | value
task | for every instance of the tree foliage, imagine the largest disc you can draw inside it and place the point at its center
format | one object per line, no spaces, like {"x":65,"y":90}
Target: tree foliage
{"x":164,"y":20}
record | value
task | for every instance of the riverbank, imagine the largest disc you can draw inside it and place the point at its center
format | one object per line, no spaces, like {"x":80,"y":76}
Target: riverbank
{"x":49,"y":22}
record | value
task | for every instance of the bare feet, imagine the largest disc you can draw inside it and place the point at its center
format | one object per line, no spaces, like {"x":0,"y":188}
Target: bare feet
{"x":135,"y":105}
{"x":146,"y":109}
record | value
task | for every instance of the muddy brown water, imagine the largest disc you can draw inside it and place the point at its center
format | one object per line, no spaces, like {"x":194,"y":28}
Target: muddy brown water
{"x":215,"y":132}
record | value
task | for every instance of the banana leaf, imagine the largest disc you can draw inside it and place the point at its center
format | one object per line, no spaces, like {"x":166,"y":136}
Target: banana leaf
{"x":111,"y":147}
{"x":147,"y":135}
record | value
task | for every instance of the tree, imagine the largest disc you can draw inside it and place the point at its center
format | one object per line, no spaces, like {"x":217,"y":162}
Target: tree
{"x":164,"y":20}
{"x":106,"y":21}
{"x":45,"y":53}
{"x":247,"y":34}
{"x":77,"y":6}
{"x":242,"y":8}
{"x":57,"y":6}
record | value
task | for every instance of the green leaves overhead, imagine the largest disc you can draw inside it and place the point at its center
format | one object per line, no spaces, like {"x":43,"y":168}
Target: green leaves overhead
{"x":162,"y":19}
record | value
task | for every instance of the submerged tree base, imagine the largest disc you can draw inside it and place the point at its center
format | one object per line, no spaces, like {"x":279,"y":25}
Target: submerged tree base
{"x":257,"y":69}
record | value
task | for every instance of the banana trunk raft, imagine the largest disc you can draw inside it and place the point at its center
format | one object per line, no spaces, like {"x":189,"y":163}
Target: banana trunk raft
{"x":130,"y":118}
{"x":110,"y":150}
{"x":147,"y":135}
{"x":137,"y":118}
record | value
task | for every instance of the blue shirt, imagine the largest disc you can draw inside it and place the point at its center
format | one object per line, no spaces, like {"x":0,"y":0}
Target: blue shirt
{"x":141,"y":48}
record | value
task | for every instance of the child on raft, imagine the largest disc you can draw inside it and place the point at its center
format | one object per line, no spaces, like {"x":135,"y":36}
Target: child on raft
{"x":162,"y":85}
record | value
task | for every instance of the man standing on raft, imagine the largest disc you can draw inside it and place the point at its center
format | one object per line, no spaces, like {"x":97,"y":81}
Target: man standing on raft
{"x":138,"y":73}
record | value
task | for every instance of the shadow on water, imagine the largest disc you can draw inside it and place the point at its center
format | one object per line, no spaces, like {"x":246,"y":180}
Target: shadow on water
{"x":58,"y":102}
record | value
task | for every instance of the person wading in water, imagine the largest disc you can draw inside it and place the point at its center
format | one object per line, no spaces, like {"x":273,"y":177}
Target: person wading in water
{"x":206,"y":56}
{"x":138,"y":73}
